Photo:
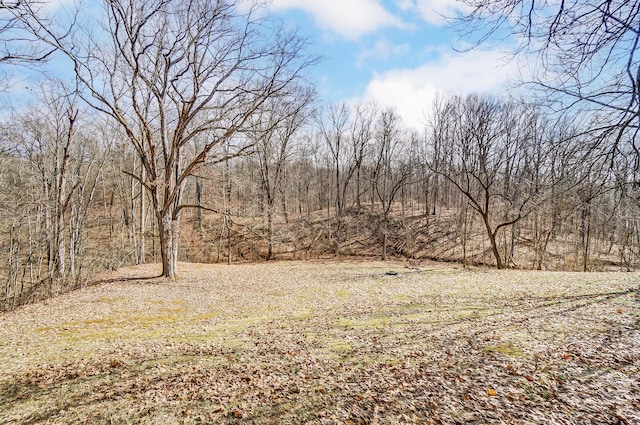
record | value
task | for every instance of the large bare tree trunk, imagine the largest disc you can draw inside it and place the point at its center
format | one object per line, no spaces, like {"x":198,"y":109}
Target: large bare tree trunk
{"x":181,"y":79}
{"x":169,"y":237}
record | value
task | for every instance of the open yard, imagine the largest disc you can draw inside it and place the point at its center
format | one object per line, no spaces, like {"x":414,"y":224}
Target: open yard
{"x":349,"y":342}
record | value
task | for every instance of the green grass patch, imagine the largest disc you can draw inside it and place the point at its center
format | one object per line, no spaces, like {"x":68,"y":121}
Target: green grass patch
{"x":343,"y":294}
{"x":301,"y":315}
{"x":372,"y":322}
{"x":339,"y":346}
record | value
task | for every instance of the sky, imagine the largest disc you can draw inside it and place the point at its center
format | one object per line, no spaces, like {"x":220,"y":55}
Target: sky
{"x":399,"y":53}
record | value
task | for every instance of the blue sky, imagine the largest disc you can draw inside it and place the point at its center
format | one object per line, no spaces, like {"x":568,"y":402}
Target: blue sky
{"x":396,"y":52}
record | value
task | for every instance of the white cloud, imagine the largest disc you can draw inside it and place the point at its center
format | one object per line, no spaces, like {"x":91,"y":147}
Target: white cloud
{"x":349,"y":18}
{"x":434,"y":11}
{"x":383,"y":50}
{"x":412,"y":91}
{"x":404,"y":4}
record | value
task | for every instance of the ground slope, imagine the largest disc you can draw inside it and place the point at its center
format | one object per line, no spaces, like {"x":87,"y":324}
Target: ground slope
{"x":328,"y":342}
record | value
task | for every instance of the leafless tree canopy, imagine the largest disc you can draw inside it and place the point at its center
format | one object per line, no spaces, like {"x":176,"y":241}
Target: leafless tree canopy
{"x":18,"y":45}
{"x":180,"y":78}
{"x":587,"y":51}
{"x":189,"y":130}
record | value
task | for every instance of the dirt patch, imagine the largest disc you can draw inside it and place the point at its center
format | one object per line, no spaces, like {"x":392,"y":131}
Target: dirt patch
{"x":327,"y":342}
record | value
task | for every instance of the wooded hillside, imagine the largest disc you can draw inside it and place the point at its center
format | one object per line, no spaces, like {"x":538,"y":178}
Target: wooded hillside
{"x":352,"y":182}
{"x":190,"y":130}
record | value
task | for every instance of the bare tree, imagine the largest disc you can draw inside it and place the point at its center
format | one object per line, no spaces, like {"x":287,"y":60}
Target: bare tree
{"x":169,"y":72}
{"x":391,"y":169}
{"x":362,"y":136}
{"x":272,"y":132}
{"x":333,"y":125}
{"x":588,"y":53}
{"x":485,"y":151}
{"x":53,"y":166}
{"x":340,"y":134}
{"x":18,"y":45}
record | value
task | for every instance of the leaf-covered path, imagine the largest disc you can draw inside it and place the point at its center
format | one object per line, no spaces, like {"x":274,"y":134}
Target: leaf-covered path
{"x":328,"y":343}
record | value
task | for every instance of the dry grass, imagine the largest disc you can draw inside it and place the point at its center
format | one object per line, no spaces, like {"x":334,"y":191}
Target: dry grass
{"x":327,"y":342}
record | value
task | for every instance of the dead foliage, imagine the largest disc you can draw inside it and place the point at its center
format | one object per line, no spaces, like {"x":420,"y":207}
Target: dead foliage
{"x":328,"y":343}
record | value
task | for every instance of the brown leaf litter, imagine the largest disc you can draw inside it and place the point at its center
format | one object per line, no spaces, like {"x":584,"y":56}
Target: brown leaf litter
{"x":331,"y":342}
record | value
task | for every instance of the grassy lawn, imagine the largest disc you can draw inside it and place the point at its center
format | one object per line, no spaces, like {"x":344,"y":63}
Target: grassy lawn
{"x":349,"y":342}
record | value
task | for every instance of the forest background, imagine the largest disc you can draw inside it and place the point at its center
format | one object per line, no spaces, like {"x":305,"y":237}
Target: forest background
{"x":192,"y":130}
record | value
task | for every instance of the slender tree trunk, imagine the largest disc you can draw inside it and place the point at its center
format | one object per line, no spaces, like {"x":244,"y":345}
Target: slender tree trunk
{"x":60,"y":249}
{"x":373,"y":195}
{"x":199,"y":203}
{"x":228,"y":221}
{"x":134,"y":238}
{"x":285,"y":208}
{"x":494,"y":244}
{"x":72,"y":246}
{"x":270,"y":202}
{"x":358,"y":202}
{"x":585,"y":230}
{"x":223,"y":224}
{"x":464,"y":237}
{"x":338,"y":235}
{"x":143,"y":225}
{"x":385,"y":237}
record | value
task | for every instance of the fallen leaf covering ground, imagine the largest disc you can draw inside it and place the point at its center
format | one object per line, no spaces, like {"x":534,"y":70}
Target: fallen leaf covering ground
{"x":349,"y":342}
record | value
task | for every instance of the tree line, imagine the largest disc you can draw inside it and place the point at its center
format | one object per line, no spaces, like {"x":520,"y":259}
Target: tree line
{"x":188,"y":133}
